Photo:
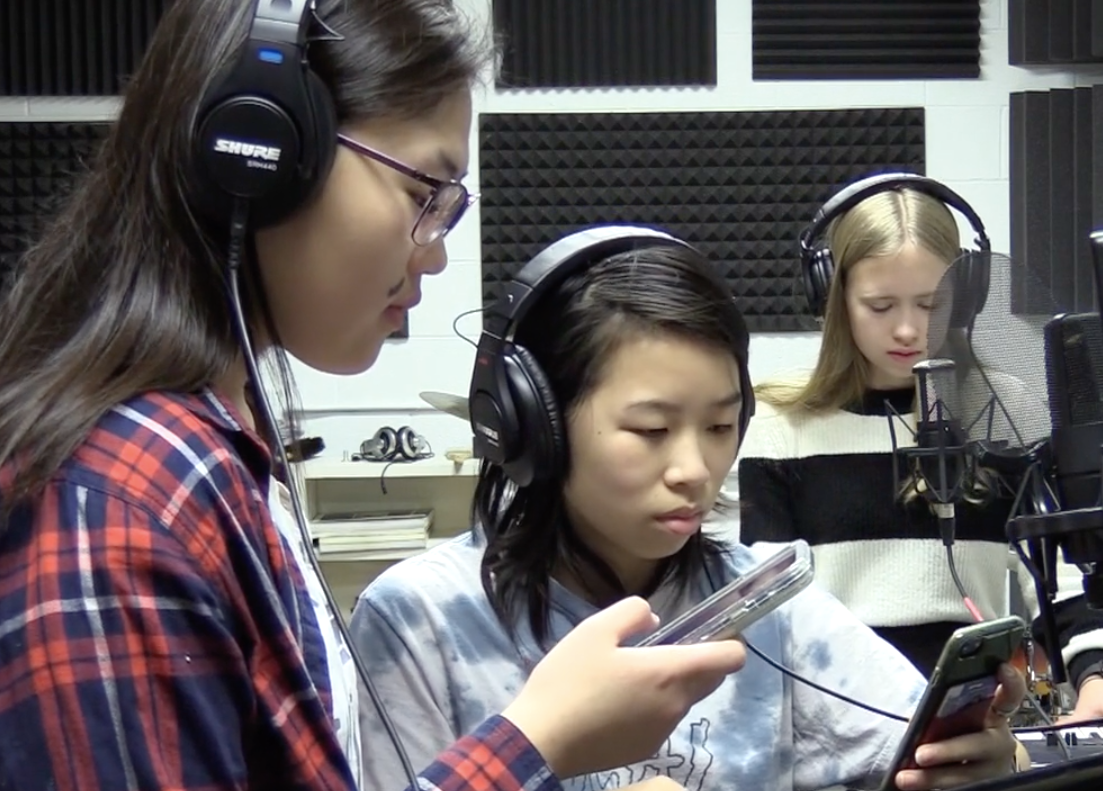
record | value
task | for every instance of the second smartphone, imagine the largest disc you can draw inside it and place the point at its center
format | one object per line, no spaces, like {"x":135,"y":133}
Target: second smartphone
{"x":961,"y":689}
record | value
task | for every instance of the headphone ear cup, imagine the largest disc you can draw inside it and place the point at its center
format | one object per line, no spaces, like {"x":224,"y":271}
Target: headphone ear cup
{"x":319,"y":136}
{"x":980,"y":276}
{"x":818,"y":271}
{"x":972,"y":278}
{"x":409,"y":444}
{"x":543,"y":444}
{"x":389,"y":438}
{"x":325,"y":133}
{"x":381,"y":447}
{"x":266,"y":134}
{"x":225,"y":175}
{"x":404,"y":445}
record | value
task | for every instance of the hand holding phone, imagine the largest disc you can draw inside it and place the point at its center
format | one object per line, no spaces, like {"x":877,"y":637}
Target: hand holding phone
{"x":733,"y":608}
{"x":959,"y":697}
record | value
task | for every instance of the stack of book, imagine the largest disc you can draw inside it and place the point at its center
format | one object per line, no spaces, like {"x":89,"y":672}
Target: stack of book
{"x":358,"y":536}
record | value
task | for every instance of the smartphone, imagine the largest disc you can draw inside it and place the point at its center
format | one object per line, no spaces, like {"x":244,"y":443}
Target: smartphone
{"x":726,"y":613}
{"x":961,"y":688}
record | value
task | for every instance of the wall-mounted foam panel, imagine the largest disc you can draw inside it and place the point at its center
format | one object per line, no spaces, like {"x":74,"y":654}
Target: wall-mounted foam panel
{"x":73,"y":48}
{"x":865,"y":39}
{"x":37,"y":163}
{"x":1041,"y":32}
{"x":583,"y":43}
{"x":1056,"y":145}
{"x":740,"y":185}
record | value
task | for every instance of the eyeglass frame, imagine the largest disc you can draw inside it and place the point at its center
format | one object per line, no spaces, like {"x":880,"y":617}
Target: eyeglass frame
{"x":435,"y":184}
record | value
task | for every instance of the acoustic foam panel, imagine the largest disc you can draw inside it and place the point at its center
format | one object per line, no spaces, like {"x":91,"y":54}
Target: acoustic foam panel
{"x":73,"y":47}
{"x":1041,"y":32}
{"x":583,"y":43}
{"x":37,"y":162}
{"x":1056,"y":188}
{"x":739,"y":185}
{"x":37,"y":165}
{"x":865,"y":39}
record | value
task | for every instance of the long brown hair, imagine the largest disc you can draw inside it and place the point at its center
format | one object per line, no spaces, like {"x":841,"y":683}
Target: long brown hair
{"x":124,"y":293}
{"x":880,"y":225}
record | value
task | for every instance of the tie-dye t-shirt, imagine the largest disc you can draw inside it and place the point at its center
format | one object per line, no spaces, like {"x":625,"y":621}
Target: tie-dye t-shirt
{"x":442,"y":663}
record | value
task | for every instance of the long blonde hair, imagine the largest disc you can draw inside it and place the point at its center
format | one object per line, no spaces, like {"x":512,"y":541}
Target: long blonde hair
{"x":880,"y":225}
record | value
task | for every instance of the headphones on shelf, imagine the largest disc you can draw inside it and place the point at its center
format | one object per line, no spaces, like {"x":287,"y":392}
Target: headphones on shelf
{"x":390,"y":445}
{"x":972,"y":270}
{"x":266,"y":129}
{"x":516,"y":421}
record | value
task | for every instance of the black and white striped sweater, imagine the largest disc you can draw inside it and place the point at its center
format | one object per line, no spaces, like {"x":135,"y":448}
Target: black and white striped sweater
{"x":828,"y":478}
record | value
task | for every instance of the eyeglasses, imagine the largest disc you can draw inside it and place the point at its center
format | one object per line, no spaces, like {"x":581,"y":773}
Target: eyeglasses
{"x":447,"y":202}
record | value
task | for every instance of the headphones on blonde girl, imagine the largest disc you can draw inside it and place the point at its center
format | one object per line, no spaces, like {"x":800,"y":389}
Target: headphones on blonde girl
{"x":971,"y":271}
{"x":516,"y":421}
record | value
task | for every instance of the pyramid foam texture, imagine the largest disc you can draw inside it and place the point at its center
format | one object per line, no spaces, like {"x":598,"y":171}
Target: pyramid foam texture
{"x":37,"y":164}
{"x":738,"y":185}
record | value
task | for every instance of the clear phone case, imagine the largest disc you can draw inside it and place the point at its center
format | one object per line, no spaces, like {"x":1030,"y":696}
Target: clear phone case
{"x":737,"y":605}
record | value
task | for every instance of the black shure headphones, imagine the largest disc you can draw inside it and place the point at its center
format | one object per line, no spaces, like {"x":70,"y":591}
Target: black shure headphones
{"x":972,"y":270}
{"x":266,"y":130}
{"x":514,"y":414}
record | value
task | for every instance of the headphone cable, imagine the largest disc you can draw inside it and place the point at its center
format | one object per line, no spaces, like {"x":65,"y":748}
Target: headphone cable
{"x":974,"y":611}
{"x":456,"y":324}
{"x":1049,"y":727}
{"x":819,"y":688}
{"x":234,"y":259}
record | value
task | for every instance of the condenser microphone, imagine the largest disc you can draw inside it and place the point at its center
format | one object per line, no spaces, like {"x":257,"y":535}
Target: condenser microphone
{"x":1074,"y":372}
{"x":942,"y":455}
{"x":941,"y":451}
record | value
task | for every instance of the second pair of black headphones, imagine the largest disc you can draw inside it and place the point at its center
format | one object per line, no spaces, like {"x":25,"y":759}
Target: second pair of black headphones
{"x":972,"y":270}
{"x":515,"y":418}
{"x":405,"y":444}
{"x":266,"y":130}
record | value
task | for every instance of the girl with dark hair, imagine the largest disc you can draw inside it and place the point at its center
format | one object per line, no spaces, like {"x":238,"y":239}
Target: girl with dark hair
{"x":161,"y":623}
{"x":645,"y":355}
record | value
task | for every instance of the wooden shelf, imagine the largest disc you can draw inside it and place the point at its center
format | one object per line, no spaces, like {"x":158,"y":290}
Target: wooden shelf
{"x":436,"y":484}
{"x":436,"y":467}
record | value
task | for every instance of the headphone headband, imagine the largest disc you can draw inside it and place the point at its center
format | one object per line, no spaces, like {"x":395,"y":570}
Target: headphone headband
{"x":557,"y":262}
{"x":853,"y":194}
{"x":514,"y":415}
{"x":281,"y":21}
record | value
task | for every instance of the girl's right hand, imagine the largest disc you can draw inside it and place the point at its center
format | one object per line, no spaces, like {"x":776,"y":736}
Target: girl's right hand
{"x":592,"y":705}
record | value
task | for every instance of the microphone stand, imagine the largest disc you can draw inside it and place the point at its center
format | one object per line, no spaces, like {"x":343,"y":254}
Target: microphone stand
{"x":936,"y":465}
{"x":1078,"y":533}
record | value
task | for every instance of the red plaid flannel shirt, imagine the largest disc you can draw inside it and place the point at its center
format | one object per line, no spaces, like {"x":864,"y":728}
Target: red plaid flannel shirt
{"x":155,"y":632}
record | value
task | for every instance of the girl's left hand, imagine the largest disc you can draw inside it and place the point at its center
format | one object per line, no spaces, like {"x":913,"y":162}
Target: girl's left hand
{"x":973,"y":756}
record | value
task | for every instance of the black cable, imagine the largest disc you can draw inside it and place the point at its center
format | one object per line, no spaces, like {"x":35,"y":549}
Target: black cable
{"x":970,"y":605}
{"x":456,"y":325}
{"x":427,"y":454}
{"x":947,"y":527}
{"x":797,"y":677}
{"x":953,"y":572}
{"x":234,"y":256}
{"x":1050,"y":727}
